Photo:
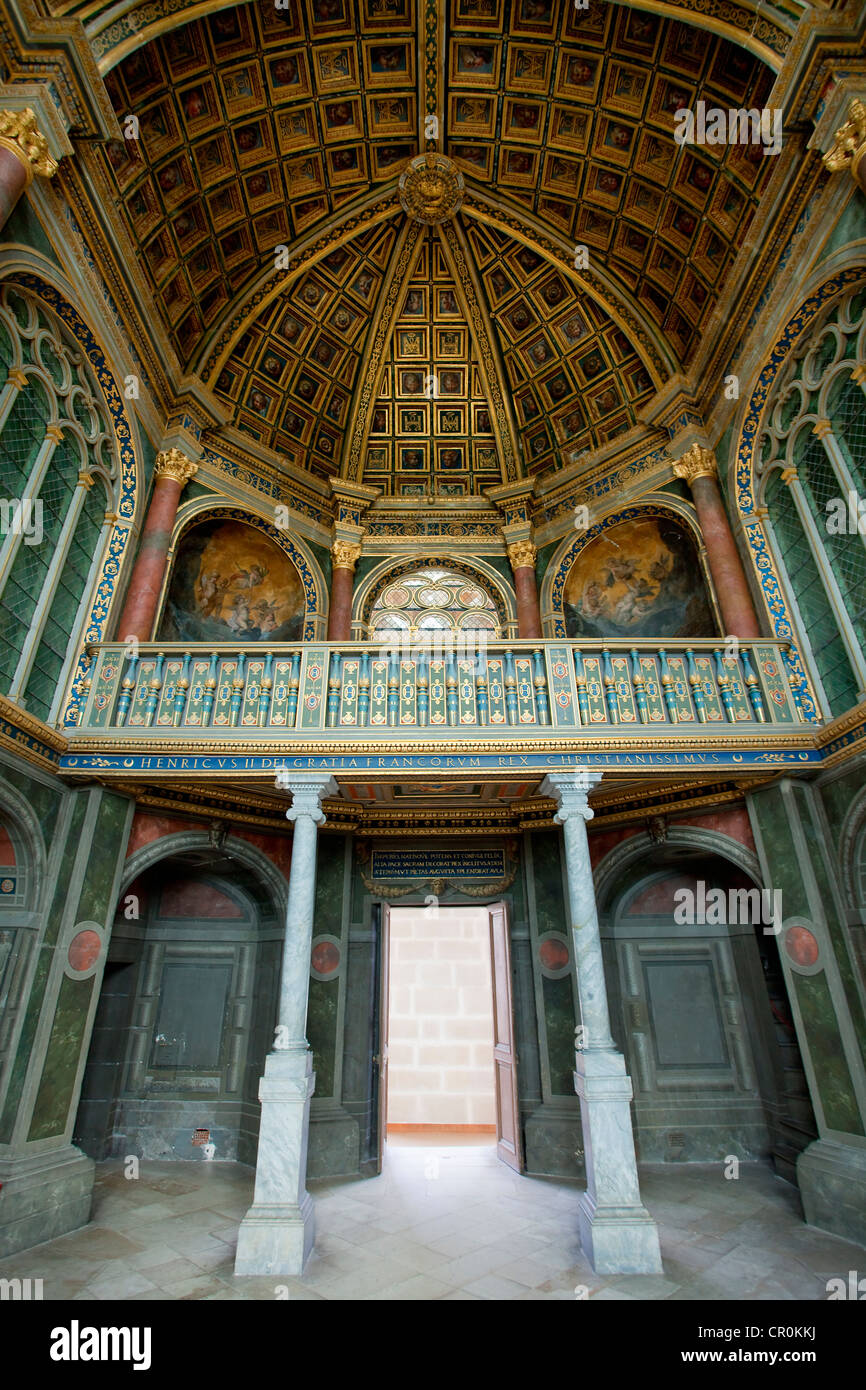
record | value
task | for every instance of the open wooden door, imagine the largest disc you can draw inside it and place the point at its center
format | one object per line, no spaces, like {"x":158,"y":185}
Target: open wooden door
{"x":508,"y":1146}
{"x":380,"y":1061}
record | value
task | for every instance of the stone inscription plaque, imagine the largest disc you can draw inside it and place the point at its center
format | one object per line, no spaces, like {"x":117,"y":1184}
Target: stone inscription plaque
{"x":395,"y":864}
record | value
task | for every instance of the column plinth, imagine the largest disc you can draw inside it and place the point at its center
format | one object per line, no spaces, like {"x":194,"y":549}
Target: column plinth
{"x":617,"y":1233}
{"x":278,"y":1232}
{"x":173,"y":471}
{"x":698,"y":468}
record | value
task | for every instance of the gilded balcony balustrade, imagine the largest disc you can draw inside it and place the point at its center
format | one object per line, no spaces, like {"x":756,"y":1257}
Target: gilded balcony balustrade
{"x":189,"y":693}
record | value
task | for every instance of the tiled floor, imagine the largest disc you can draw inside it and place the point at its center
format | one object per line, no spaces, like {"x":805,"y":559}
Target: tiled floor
{"x":444,"y":1222}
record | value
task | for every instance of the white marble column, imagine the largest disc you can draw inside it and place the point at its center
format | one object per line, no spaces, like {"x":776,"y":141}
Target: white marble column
{"x":617,"y":1233}
{"x":278,"y":1231}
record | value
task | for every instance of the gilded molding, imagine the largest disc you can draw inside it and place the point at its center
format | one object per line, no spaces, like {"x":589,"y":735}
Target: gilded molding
{"x":696,"y":462}
{"x":20,"y":134}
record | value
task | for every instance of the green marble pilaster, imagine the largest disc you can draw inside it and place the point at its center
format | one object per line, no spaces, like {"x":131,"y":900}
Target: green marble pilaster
{"x":798,"y":858}
{"x":47,"y":1181}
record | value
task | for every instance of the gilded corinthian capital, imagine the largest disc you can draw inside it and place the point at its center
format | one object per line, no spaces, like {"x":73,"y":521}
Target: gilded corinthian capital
{"x":522,"y":555}
{"x":345,"y":555}
{"x":696,"y":462}
{"x":849,"y":144}
{"x":20,"y":134}
{"x":171,"y":463}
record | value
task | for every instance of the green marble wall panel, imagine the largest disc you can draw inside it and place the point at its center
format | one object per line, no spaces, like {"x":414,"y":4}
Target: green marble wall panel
{"x":798,"y":857}
{"x":833,"y":1074}
{"x":51,"y":1107}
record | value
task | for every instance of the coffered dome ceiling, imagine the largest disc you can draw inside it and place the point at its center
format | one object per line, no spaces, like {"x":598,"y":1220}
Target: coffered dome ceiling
{"x":477,"y":340}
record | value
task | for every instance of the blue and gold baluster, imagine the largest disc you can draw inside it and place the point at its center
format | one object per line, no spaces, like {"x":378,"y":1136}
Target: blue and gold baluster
{"x":481,"y":700}
{"x":452,"y":698}
{"x":210,"y":687}
{"x":667,"y":683}
{"x":423,"y":686}
{"x":609,"y":680}
{"x":539,"y":681}
{"x":580,"y":680}
{"x":750,"y":680}
{"x":181,"y":692}
{"x":334,"y":686}
{"x":265,"y":689}
{"x":394,"y":688}
{"x":511,"y":688}
{"x":695,"y":683}
{"x":723,"y":681}
{"x":294,"y":687}
{"x":127,"y":690}
{"x":638,"y":681}
{"x":154,"y":685}
{"x":364,"y":691}
{"x":238,"y":682}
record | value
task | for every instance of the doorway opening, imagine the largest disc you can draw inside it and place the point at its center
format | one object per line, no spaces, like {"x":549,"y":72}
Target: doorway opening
{"x":446,"y":1047}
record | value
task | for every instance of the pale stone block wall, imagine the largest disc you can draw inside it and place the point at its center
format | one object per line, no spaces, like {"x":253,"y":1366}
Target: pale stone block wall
{"x":440,"y":1056}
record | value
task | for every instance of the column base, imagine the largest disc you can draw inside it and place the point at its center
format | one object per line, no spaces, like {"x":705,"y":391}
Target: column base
{"x":617,"y":1233}
{"x":622,"y":1240}
{"x":277,"y":1233}
{"x":832,"y":1181}
{"x":44,"y":1196}
{"x":276,"y":1239}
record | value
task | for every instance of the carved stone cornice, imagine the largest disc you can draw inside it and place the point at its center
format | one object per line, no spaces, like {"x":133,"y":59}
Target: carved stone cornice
{"x":696,"y":462}
{"x":171,"y":463}
{"x":849,"y":145}
{"x":345,"y":554}
{"x":522,"y":555}
{"x":20,"y":134}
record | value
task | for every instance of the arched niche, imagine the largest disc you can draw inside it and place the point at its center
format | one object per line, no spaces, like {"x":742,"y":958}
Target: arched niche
{"x":234,"y":578}
{"x":637,"y":574}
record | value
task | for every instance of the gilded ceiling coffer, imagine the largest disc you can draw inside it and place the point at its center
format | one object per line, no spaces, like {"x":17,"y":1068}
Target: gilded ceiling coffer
{"x":849,"y":146}
{"x":697,"y":466}
{"x":23,"y":154}
{"x":172,"y":472}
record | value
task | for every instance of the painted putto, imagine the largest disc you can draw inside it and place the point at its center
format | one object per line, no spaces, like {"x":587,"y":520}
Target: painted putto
{"x":232,"y":583}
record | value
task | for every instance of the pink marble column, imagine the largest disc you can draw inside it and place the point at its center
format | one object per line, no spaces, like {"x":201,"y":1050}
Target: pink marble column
{"x":173,"y":470}
{"x":698,"y":468}
{"x":344,"y":557}
{"x":522,"y":556}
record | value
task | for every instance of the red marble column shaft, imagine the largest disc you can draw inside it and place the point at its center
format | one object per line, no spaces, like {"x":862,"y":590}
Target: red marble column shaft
{"x":340,"y":610}
{"x":147,"y":577}
{"x":526,"y":595}
{"x":726,"y":567}
{"x":13,"y":181}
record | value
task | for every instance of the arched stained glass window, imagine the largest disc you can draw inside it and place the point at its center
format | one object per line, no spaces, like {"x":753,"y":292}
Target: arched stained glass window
{"x":57,"y":498}
{"x":812,"y":461}
{"x":432,"y":599}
